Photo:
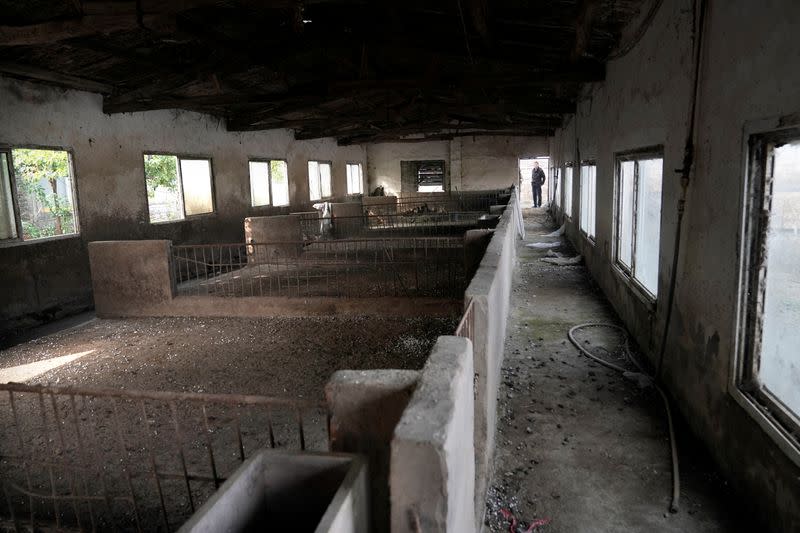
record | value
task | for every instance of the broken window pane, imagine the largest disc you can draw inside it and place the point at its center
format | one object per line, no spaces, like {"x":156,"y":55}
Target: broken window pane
{"x":648,"y":223}
{"x":259,"y":183}
{"x":568,"y":191}
{"x":279,"y":176}
{"x":625,"y":216}
{"x":163,"y":189}
{"x":779,"y":366}
{"x":8,"y":225}
{"x":588,"y":188}
{"x":196,"y":181}
{"x":44,"y":192}
{"x":354,"y":178}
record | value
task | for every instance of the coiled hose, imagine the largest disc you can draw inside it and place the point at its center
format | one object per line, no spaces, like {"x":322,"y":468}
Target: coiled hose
{"x":676,"y":481}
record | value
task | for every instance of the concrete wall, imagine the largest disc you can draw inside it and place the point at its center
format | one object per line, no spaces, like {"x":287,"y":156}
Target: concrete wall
{"x":471,"y":163}
{"x":44,"y":279}
{"x":365,"y":406}
{"x":432,"y":463}
{"x":490,"y":292}
{"x":644,"y":102}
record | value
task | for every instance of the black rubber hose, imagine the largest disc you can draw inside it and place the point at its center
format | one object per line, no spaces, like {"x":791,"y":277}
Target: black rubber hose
{"x":676,"y":479}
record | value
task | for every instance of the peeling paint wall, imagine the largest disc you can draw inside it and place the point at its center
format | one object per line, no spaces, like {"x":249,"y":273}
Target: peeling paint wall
{"x":50,"y":278}
{"x":645,"y":102}
{"x":471,"y":163}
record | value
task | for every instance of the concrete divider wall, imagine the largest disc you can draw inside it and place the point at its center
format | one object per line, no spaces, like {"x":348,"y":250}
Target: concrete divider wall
{"x":129,"y":277}
{"x":365,"y":407}
{"x":274,"y":229}
{"x":490,"y":291}
{"x":432,"y":472}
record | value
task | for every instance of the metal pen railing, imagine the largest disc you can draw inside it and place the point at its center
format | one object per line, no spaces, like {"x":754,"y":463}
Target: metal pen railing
{"x":96,"y":459}
{"x":347,"y":268}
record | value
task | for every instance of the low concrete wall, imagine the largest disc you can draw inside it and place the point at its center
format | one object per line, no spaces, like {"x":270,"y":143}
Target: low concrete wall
{"x":130,"y":276}
{"x":433,"y":461}
{"x":490,"y":291}
{"x":347,"y":219}
{"x":280,"y":228}
{"x":364,"y":407}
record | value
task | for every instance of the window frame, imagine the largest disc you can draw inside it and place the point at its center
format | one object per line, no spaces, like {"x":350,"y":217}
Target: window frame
{"x":628,"y":273}
{"x":269,"y":180}
{"x":591,"y":239}
{"x":569,"y":165}
{"x":321,"y":198}
{"x":18,"y":240}
{"x":180,"y":156}
{"x":361,"y":177}
{"x":776,"y":419}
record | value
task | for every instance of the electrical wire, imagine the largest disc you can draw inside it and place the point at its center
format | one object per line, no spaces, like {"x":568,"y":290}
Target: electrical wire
{"x":676,"y":480}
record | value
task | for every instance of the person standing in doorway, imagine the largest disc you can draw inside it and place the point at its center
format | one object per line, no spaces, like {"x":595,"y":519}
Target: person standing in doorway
{"x":537,"y":180}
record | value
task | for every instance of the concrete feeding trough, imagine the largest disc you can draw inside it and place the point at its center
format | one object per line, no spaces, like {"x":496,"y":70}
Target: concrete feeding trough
{"x":289,"y":491}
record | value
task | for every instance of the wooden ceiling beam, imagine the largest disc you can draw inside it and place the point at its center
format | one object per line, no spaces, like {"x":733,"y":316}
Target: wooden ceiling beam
{"x":29,"y":72}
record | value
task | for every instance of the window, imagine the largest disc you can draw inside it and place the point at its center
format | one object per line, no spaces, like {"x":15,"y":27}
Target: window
{"x":588,"y":199}
{"x":319,"y":180}
{"x":355,"y":179}
{"x":177,"y":187}
{"x":430,"y":176}
{"x":422,"y":176}
{"x":556,"y":188}
{"x":36,"y":194}
{"x":269,"y":183}
{"x":639,"y":183}
{"x":568,"y":190}
{"x":770,"y":370}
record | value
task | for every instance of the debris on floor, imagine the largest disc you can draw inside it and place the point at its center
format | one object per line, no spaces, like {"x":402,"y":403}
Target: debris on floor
{"x":516,"y":526}
{"x":563,"y":261}
{"x":544,"y":245}
{"x":557,"y":233}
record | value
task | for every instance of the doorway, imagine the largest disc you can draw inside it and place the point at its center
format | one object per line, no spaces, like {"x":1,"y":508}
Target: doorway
{"x":525,"y":170}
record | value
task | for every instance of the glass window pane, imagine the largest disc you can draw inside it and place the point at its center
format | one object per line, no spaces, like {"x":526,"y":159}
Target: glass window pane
{"x":592,"y":200}
{"x":8,"y":226}
{"x":648,"y":223}
{"x":259,"y":183}
{"x":163,"y":190}
{"x":779,"y":369}
{"x":625,"y":215}
{"x":280,"y":182}
{"x":44,"y":188}
{"x":584,"y":205}
{"x":354,"y":178}
{"x":325,"y":179}
{"x":568,"y":191}
{"x":314,"y":191}
{"x":196,"y":178}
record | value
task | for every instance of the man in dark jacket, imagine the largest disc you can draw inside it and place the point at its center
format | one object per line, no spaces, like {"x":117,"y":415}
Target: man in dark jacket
{"x":537,"y":180}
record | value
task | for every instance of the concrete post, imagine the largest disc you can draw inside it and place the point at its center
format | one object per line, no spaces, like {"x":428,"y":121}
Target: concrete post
{"x":432,"y":479}
{"x":365,"y":407}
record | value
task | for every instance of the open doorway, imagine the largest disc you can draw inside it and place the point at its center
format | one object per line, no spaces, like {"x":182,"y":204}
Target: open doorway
{"x":525,"y":171}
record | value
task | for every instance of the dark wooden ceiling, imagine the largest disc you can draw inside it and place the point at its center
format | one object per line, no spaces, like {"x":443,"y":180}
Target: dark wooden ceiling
{"x":359,"y":71}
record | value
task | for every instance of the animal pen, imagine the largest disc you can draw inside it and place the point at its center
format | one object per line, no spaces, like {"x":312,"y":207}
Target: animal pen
{"x":80,"y":458}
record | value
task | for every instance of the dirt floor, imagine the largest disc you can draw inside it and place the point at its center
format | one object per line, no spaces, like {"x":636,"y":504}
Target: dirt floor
{"x":579,"y":446}
{"x":111,"y":451}
{"x":268,"y":356}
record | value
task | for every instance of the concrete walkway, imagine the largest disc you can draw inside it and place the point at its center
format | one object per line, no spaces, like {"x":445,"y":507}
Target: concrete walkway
{"x":577,"y":444}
